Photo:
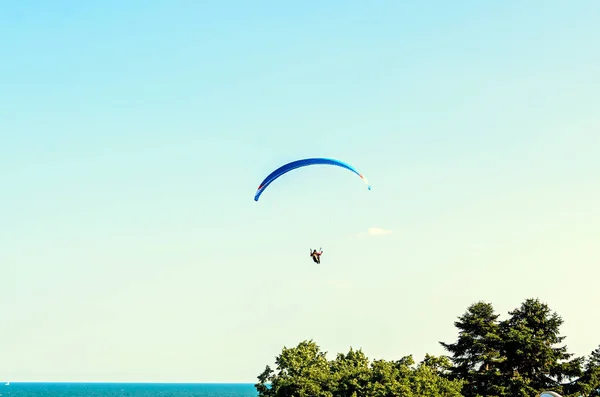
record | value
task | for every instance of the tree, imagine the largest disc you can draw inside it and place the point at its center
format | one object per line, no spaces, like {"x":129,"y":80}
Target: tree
{"x":532,"y":361}
{"x":517,"y":357}
{"x":476,"y":353}
{"x":388,"y":378}
{"x":351,"y":374}
{"x":430,"y":378}
{"x":588,"y":384}
{"x":304,"y":371}
{"x":592,"y":373}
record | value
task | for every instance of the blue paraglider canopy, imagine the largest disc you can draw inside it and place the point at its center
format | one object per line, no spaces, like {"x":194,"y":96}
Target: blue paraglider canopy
{"x":303,"y":163}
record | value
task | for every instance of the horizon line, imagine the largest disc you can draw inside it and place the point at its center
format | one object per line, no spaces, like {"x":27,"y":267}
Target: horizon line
{"x":130,"y":382}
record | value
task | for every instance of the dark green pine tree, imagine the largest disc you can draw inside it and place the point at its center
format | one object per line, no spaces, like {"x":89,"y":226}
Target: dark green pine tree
{"x":534,"y":362}
{"x":476,"y":353}
{"x":592,"y":373}
{"x":588,"y":385}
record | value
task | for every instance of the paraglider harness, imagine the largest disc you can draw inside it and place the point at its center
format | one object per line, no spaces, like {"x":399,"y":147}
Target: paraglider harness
{"x":316,"y":255}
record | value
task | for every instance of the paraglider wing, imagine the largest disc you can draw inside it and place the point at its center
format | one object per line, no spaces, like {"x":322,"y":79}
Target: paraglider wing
{"x":549,"y":393}
{"x":303,"y":163}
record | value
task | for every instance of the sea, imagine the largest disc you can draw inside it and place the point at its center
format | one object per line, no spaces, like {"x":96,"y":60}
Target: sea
{"x":19,"y":389}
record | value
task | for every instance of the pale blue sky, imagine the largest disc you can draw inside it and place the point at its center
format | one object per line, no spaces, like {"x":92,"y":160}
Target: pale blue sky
{"x":134,"y":135}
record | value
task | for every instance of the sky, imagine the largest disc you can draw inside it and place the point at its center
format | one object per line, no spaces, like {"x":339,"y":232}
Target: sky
{"x":133,"y":136}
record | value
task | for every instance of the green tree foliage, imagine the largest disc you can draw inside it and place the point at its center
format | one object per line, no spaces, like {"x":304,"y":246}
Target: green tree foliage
{"x":476,"y":354}
{"x":431,"y":379}
{"x":534,"y":361}
{"x":303,"y":371}
{"x":516,"y":357}
{"x":588,"y":384}
{"x":351,"y":373}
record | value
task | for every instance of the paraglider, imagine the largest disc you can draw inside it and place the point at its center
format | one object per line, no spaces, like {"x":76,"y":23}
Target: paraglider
{"x":303,"y":163}
{"x":316,"y":255}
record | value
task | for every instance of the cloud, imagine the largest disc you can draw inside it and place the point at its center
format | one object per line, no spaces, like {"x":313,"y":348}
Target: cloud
{"x":377,"y":231}
{"x":374,"y":231}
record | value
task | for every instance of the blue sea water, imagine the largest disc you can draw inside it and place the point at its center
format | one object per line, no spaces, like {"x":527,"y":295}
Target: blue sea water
{"x":128,"y":390}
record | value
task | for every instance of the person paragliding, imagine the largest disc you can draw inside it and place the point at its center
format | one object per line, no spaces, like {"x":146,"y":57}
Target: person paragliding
{"x":316,"y":255}
{"x":301,"y":163}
